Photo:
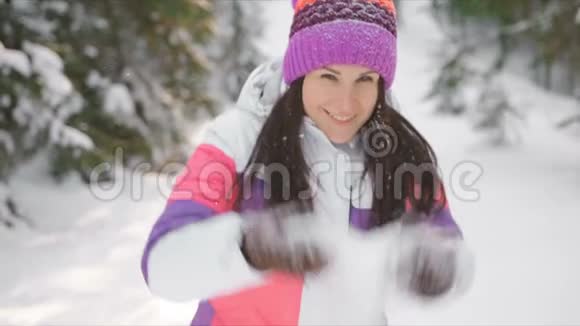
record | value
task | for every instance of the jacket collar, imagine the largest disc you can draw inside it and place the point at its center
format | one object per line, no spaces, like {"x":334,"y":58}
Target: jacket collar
{"x":262,"y":88}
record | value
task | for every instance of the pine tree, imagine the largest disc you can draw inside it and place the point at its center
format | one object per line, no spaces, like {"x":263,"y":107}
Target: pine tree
{"x":448,"y":87}
{"x":548,"y":29}
{"x":81,"y":78}
{"x":234,"y":52}
{"x":495,"y":115}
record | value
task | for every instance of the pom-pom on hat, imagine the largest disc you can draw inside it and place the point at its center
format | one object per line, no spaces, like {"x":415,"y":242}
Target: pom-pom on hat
{"x":326,"y":32}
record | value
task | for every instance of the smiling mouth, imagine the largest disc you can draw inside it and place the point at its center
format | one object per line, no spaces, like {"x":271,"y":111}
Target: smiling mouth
{"x":340,"y":118}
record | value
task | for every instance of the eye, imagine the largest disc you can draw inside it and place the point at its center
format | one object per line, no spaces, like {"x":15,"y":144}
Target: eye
{"x":328,"y":76}
{"x":366,"y":79}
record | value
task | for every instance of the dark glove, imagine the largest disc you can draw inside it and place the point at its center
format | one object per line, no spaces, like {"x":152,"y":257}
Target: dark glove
{"x":282,"y":239}
{"x":428,"y":262}
{"x":432,"y":271}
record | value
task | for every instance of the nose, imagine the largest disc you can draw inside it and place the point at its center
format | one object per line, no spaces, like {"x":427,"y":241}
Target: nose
{"x":347,"y":101}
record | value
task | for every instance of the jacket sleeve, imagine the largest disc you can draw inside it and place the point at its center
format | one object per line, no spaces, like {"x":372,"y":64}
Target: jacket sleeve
{"x":193,"y":249}
{"x":451,"y":238}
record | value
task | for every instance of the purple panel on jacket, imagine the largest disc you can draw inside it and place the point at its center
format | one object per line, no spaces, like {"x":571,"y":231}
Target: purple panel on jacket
{"x":255,"y":199}
{"x":360,"y":218}
{"x":204,"y":314}
{"x":443,"y":219}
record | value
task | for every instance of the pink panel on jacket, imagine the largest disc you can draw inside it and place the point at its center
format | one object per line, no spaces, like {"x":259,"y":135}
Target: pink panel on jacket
{"x":208,"y":178}
{"x":440,"y":198}
{"x":277,"y":302}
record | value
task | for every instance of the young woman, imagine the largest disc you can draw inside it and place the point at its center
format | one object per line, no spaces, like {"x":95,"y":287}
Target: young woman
{"x":313,"y":196}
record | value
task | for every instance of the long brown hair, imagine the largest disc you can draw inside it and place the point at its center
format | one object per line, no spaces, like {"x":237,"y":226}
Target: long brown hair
{"x":279,"y":142}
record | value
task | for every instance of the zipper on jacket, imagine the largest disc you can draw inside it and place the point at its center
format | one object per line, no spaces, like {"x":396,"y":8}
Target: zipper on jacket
{"x":350,"y":207}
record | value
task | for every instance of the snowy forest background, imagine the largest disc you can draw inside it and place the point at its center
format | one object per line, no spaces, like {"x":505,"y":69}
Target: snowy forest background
{"x":80,"y":80}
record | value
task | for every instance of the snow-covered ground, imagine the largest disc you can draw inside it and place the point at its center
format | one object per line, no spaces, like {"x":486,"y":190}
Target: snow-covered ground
{"x":81,"y":264}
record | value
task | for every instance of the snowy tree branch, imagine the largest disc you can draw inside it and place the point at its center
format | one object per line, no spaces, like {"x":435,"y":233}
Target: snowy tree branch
{"x":569,"y":121}
{"x":518,"y":27}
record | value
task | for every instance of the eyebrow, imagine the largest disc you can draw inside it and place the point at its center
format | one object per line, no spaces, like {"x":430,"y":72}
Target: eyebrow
{"x":338,"y":73}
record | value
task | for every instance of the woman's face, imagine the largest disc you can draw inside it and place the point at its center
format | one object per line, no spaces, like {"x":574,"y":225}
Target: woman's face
{"x":340,"y":99}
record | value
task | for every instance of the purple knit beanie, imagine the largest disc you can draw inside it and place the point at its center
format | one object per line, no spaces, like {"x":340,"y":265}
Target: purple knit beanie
{"x":326,"y":32}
